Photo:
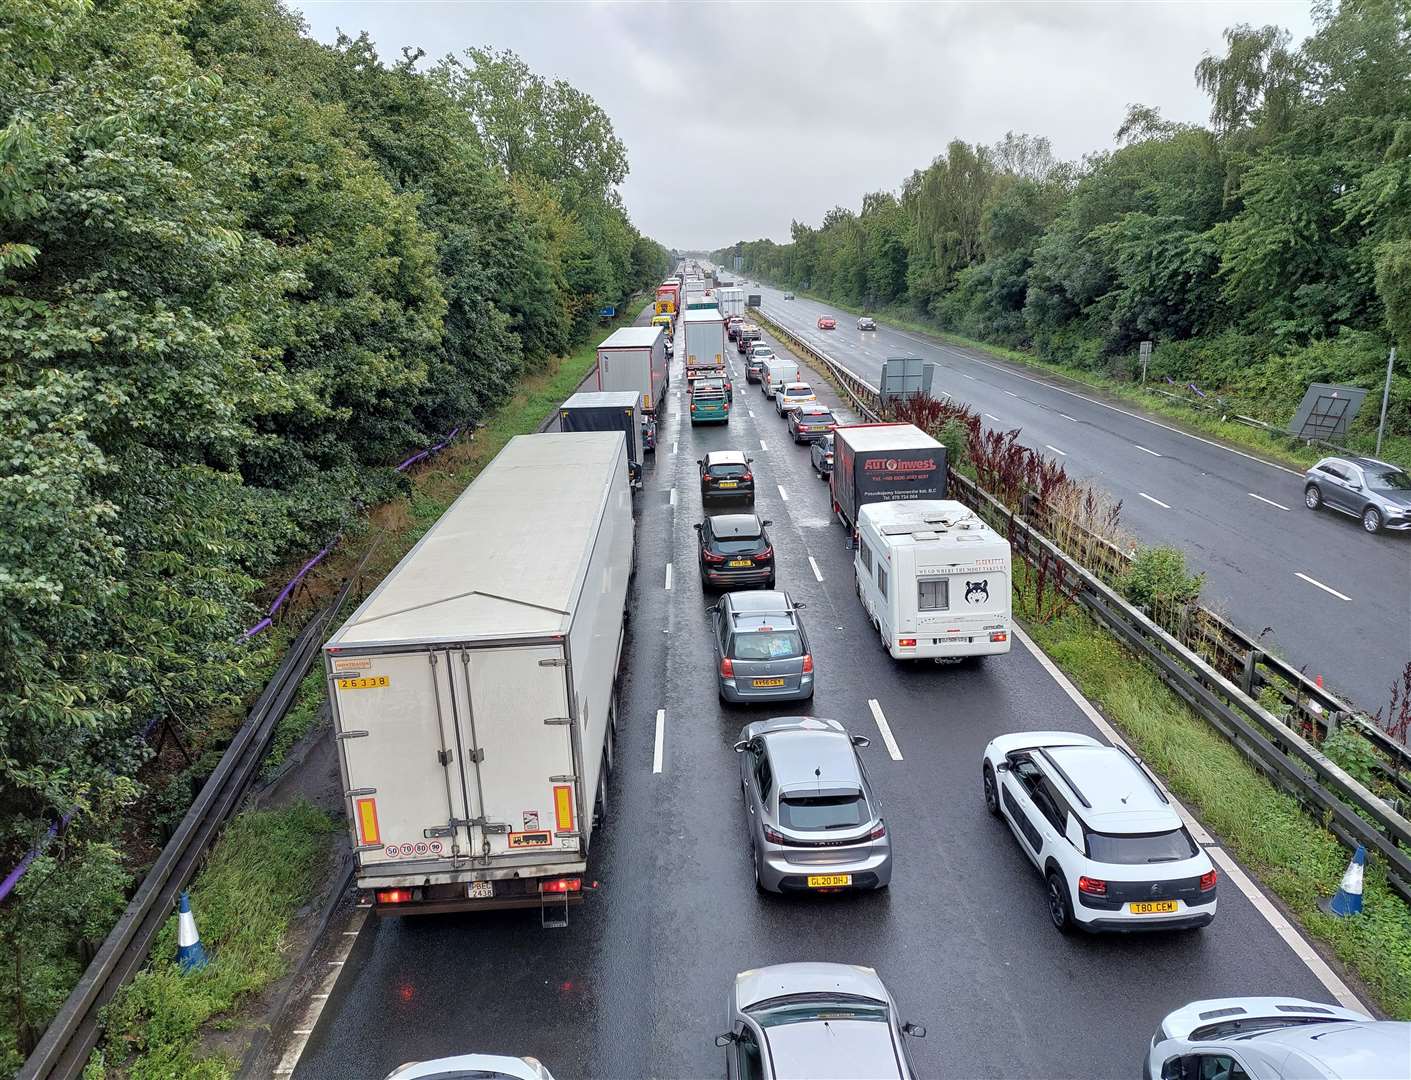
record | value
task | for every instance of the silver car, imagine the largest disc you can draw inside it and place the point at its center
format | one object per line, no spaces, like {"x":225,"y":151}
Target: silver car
{"x":813,"y":821}
{"x":815,"y":1020}
{"x":476,"y":1066}
{"x":1375,"y":492}
{"x":761,"y":648}
{"x":1275,"y":1038}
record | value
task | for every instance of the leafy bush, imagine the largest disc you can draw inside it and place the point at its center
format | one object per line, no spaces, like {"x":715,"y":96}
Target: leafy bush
{"x":1157,"y":579}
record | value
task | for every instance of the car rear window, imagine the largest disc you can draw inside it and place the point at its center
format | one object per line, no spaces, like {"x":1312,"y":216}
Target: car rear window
{"x":808,"y":812}
{"x":796,"y":389}
{"x":1133,"y":849}
{"x":816,"y":418}
{"x":727,"y":471}
{"x":768,"y":645}
{"x":739,"y":545}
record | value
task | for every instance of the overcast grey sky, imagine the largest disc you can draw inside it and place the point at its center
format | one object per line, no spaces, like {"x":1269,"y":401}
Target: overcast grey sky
{"x":739,"y":117}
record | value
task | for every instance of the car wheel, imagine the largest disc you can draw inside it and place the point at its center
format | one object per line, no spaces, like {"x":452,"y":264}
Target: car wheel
{"x":1312,"y":497}
{"x":1060,"y":908}
{"x":991,"y":791}
{"x":1371,"y":519}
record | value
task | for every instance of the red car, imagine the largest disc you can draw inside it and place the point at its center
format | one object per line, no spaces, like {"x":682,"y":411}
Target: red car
{"x":827,"y":322}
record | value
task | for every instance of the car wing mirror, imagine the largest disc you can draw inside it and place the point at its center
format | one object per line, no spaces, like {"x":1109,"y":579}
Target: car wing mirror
{"x":766,"y":521}
{"x":749,"y":461}
{"x":862,"y":742}
{"x":697,"y":526}
{"x":700,"y":461}
{"x":1003,"y":766}
{"x":916,"y":1031}
{"x":742,"y":746}
{"x":713,"y":609}
{"x":727,"y":1039}
{"x":800,"y":606}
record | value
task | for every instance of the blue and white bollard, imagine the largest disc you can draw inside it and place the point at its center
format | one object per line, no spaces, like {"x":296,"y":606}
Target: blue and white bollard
{"x":1348,"y":899}
{"x":190,"y":953}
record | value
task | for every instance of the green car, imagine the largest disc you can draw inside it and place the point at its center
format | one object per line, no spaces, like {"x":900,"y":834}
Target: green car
{"x":710,"y":405}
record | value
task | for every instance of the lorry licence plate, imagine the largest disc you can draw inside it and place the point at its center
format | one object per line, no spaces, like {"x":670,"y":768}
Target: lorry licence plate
{"x":480,"y":890}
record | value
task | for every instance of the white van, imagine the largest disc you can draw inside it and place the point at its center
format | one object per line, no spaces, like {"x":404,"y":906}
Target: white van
{"x":777,"y":371}
{"x":934,"y":578}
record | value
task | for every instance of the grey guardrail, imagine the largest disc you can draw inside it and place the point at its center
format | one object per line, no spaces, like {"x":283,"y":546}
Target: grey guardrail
{"x":1353,"y":813}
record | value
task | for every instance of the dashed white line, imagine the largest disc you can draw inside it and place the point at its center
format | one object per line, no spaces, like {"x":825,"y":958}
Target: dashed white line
{"x":762,"y":446}
{"x":970,"y":377}
{"x":672,"y":499}
{"x":751,"y":412}
{"x":782,"y":493}
{"x":668,"y":577}
{"x":660,"y":741}
{"x":1011,"y":393}
{"x":816,"y":572}
{"x":1144,"y":450}
{"x":995,"y":418}
{"x":884,"y":728}
{"x":1056,"y":450}
{"x":673,"y":446}
{"x":1325,"y":588}
{"x":1067,"y":417}
{"x":1158,"y":502}
{"x":1271,"y":502}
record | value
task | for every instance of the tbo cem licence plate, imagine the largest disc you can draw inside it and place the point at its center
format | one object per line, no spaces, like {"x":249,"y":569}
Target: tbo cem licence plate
{"x":769,"y":682}
{"x":1152,"y":907}
{"x":741,"y":562}
{"x":480,"y":890}
{"x":828,"y":881}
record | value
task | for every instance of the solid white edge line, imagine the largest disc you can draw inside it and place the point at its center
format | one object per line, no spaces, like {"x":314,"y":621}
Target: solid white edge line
{"x":1144,"y":450}
{"x":817,"y":573}
{"x":318,"y":1002}
{"x":782,"y":493}
{"x":1158,"y":502}
{"x":1319,"y":584}
{"x":660,"y":741}
{"x":668,"y":577}
{"x":1290,"y":934}
{"x":1271,"y":502}
{"x":1056,"y":450}
{"x":885,"y":729}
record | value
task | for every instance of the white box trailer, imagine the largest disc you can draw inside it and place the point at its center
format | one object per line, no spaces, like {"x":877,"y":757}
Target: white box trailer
{"x":474,"y":692}
{"x":703,"y":331}
{"x":934,"y":578}
{"x":634,"y":358}
{"x":731,"y":299}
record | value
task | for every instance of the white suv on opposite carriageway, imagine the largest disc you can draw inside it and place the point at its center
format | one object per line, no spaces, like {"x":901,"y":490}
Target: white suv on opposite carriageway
{"x":1112,"y":849}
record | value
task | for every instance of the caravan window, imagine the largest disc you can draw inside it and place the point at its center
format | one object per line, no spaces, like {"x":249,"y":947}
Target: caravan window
{"x":865,"y":554}
{"x":933,"y":594}
{"x":882,"y":579}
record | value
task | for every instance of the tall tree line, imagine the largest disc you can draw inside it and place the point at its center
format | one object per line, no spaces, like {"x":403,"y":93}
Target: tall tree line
{"x":241,"y":274}
{"x":1267,"y":250}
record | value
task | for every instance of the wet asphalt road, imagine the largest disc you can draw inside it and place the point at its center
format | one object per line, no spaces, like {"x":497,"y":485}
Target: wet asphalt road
{"x":1240,"y":520}
{"x":636,"y":985}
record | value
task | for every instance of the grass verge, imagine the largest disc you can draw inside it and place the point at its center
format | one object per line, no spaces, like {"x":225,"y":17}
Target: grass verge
{"x":1263,"y":827}
{"x":261,"y":871}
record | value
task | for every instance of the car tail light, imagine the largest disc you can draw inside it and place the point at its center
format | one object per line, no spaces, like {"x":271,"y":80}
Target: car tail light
{"x":879,"y":832}
{"x":693,"y":406}
{"x":767,"y":553}
{"x":395,"y":896}
{"x":712,"y":557}
{"x":807,"y":664}
{"x":906,"y":643}
{"x":1092,"y":886}
{"x":773,"y":836}
{"x":999,"y":635}
{"x":727,"y":669}
{"x":747,"y":478}
{"x":561,"y":885}
{"x":1207,"y":880}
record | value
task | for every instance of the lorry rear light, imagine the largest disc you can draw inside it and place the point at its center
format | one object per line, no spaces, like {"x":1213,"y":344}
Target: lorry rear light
{"x":906,"y":643}
{"x":395,"y":896}
{"x":807,"y":664}
{"x":999,"y":635}
{"x":1092,"y":886}
{"x":1207,"y":880}
{"x":727,"y":669}
{"x":879,"y":832}
{"x":561,"y":885}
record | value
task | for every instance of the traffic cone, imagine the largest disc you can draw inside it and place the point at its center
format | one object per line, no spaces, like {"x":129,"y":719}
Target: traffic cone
{"x":1348,"y":899}
{"x":191,"y":955}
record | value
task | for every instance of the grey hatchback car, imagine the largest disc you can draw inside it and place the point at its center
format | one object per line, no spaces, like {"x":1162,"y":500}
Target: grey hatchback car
{"x":814,"y":824}
{"x":1375,"y":492}
{"x":761,"y":648}
{"x":817,"y":1020}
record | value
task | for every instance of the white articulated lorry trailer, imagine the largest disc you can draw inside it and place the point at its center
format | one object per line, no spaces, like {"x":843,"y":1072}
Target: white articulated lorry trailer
{"x":474,"y":692}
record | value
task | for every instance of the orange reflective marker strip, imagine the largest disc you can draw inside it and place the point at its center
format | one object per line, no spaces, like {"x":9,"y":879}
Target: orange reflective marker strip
{"x":367,"y":821}
{"x":563,"y":808}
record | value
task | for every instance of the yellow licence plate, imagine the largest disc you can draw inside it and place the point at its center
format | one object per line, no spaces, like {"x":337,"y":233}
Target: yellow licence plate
{"x":769,"y":682}
{"x":727,"y":483}
{"x":1152,"y":907}
{"x":828,"y":881}
{"x":741,"y":562}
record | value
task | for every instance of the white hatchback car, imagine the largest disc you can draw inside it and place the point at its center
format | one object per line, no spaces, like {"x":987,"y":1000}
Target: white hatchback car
{"x":1112,"y":849}
{"x":792,"y":395}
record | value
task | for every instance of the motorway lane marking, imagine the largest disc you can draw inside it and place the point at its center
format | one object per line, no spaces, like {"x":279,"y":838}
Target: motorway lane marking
{"x":1144,"y":450}
{"x":1232,"y":870}
{"x":970,"y":377}
{"x":1067,"y":417}
{"x":672,"y":500}
{"x":816,"y":572}
{"x":1056,"y":450}
{"x":782,"y":493}
{"x":1271,"y":502}
{"x":762,"y":446}
{"x":660,"y":741}
{"x":1011,"y":393}
{"x":884,"y":728}
{"x":668,"y":577}
{"x":1325,"y":588}
{"x":673,"y":446}
{"x":751,"y":412}
{"x":309,"y":1019}
{"x":995,"y":418}
{"x":1158,"y":502}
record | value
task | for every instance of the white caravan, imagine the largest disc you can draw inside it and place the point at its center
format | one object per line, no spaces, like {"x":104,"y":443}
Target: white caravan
{"x":934,"y":578}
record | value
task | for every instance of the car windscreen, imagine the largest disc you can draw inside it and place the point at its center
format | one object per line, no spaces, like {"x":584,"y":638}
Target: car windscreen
{"x":727,"y":471}
{"x":768,"y":645}
{"x":1387,"y":479}
{"x":1132,"y":849}
{"x":806,"y":813}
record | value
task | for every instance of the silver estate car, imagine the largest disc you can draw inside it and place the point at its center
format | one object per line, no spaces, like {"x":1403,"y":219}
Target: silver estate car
{"x":1375,"y":492}
{"x":813,"y":821}
{"x":815,"y":1020}
{"x":761,"y":648}
{"x":1276,"y":1038}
